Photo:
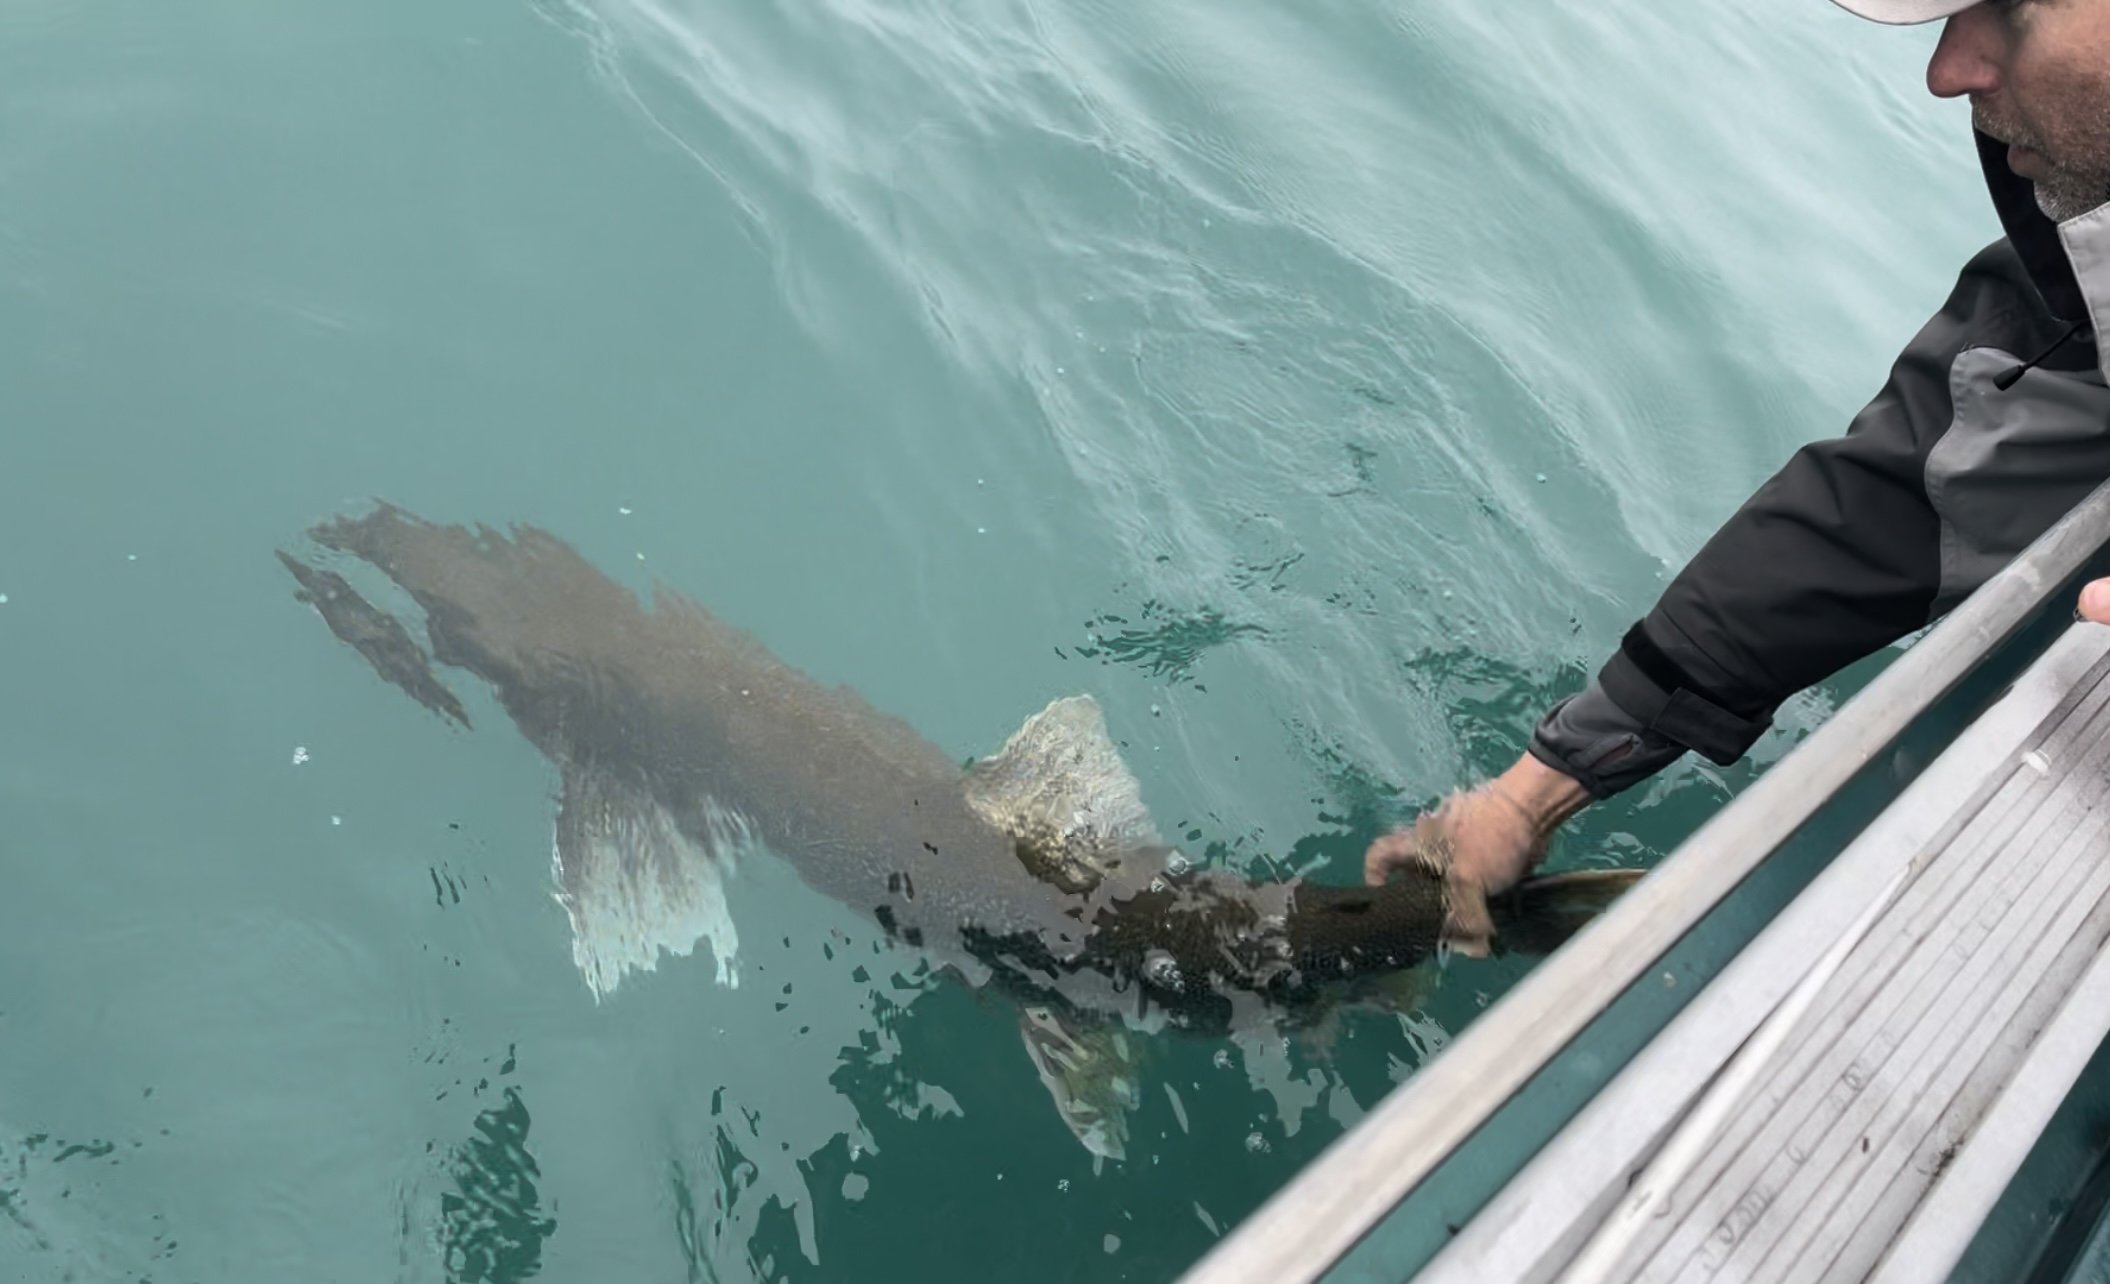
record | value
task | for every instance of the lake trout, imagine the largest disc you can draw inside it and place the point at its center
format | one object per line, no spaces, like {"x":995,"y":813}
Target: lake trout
{"x":681,"y":743}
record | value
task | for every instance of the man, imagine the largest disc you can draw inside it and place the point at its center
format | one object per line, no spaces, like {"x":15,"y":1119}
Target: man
{"x":1995,"y":421}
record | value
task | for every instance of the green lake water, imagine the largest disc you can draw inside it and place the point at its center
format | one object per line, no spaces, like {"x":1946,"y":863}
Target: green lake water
{"x":1322,"y":387}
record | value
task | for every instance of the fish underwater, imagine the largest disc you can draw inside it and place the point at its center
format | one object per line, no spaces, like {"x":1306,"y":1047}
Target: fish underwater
{"x":681,"y":745}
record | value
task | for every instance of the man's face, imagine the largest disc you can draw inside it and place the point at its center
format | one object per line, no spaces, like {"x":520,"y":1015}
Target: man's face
{"x":2038,"y":74}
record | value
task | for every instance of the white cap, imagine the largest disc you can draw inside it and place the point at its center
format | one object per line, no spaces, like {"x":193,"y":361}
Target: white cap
{"x":1901,"y":12}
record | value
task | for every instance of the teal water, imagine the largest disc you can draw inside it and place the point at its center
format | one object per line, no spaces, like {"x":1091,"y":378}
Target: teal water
{"x":1322,"y":387}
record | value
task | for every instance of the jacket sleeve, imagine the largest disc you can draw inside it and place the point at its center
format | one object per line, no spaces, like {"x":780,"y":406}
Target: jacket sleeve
{"x":1834,"y":557}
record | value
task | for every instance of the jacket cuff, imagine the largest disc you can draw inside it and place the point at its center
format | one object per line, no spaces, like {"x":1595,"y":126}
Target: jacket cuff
{"x":1603,"y":748}
{"x":1654,"y":692}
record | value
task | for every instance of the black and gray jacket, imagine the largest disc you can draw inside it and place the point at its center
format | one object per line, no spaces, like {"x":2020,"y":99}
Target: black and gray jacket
{"x":1860,"y":540}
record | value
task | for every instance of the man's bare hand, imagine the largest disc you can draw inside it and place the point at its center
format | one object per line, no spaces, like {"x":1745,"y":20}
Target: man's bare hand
{"x":1484,"y":841}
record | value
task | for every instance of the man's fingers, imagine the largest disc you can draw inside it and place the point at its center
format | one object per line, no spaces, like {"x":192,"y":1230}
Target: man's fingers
{"x":1468,"y":927}
{"x":2095,"y":602}
{"x":1387,"y":854}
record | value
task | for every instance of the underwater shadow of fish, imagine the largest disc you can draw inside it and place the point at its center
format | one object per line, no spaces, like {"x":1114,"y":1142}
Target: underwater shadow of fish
{"x":683,"y":744}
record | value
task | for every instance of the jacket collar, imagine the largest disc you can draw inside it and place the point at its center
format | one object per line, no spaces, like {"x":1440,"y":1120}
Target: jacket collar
{"x":2032,"y":233}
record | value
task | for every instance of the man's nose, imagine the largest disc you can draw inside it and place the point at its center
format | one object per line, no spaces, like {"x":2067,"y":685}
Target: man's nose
{"x":1967,"y":59}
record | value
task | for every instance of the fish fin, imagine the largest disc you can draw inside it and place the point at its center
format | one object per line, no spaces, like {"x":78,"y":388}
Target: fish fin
{"x":1089,"y":1070}
{"x":1403,"y":990}
{"x":1320,"y":1033}
{"x":1539,"y":914}
{"x":636,"y":884}
{"x":1060,"y":788}
{"x":1398,"y":992}
{"x":380,"y":638}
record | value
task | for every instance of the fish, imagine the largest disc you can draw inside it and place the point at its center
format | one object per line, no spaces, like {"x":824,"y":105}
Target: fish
{"x":683,"y":746}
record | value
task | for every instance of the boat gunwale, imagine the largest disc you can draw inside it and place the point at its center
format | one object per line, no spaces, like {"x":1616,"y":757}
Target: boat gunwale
{"x":1316,"y":1218}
